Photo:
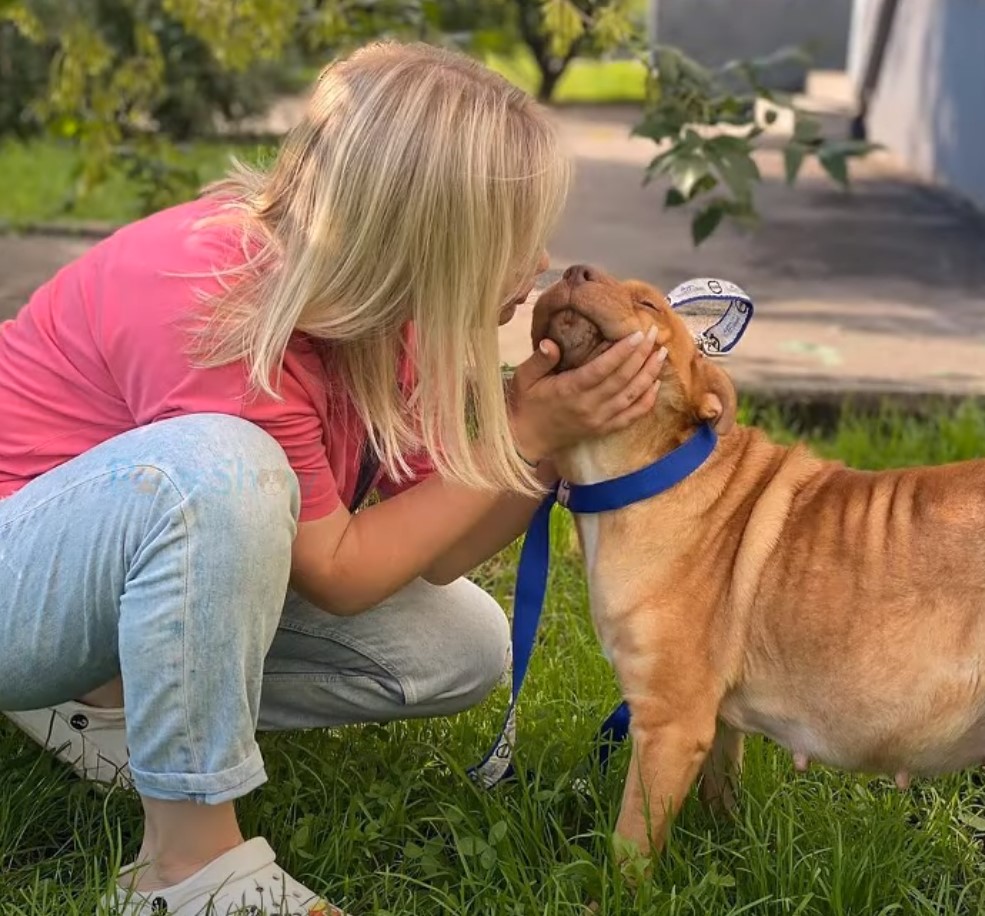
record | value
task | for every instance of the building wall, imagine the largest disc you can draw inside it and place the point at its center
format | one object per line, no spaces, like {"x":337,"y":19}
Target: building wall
{"x":929,"y":105}
{"x":716,"y":31}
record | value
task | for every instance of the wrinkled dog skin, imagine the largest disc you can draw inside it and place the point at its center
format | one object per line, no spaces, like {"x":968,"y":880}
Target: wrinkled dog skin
{"x":841,"y":613}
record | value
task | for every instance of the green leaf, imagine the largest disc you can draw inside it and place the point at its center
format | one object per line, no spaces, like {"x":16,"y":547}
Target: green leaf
{"x":612,"y":28}
{"x":471,"y":845}
{"x":806,"y":130}
{"x":734,"y":109}
{"x":691,"y":141}
{"x":719,"y":880}
{"x":975,"y":821}
{"x":657,"y":126}
{"x":674,"y":198}
{"x":582,"y":854}
{"x":732,"y":157}
{"x":849,"y":148}
{"x":413,"y":850}
{"x":695,"y":73}
{"x":301,"y":841}
{"x":668,"y":64}
{"x":563,"y":24}
{"x":836,"y":165}
{"x":793,"y":159}
{"x":658,"y":164}
{"x":497,"y":832}
{"x":687,"y":171}
{"x":706,"y":184}
{"x":706,"y":222}
{"x":488,"y":857}
{"x":727,"y":144}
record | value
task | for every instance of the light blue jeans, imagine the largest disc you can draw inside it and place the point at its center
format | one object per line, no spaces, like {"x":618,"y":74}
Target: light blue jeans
{"x":163,"y":555}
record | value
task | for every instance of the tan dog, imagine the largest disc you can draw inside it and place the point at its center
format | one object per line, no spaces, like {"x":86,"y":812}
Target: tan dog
{"x":841,"y":613}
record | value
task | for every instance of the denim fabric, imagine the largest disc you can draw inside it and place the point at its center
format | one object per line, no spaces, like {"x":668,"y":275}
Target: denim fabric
{"x":164,"y":554}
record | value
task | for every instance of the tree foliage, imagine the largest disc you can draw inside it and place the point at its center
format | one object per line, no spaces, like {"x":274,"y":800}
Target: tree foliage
{"x":124,"y":79}
{"x":558,"y":31}
{"x":707,"y":124}
{"x":554,"y":31}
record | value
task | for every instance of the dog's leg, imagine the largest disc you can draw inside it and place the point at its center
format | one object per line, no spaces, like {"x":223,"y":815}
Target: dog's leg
{"x":719,"y":785}
{"x":667,"y":753}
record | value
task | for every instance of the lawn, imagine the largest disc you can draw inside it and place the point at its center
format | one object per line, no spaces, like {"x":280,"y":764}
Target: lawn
{"x":584,"y":82}
{"x":36,"y":179}
{"x":383,"y":819}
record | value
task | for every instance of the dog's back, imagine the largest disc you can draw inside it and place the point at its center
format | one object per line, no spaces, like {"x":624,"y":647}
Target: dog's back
{"x":864,"y":643}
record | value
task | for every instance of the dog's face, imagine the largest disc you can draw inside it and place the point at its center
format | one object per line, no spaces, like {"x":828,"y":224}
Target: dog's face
{"x":587,"y":311}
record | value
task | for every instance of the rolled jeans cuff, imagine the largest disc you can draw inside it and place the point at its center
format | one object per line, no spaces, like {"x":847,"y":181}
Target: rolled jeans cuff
{"x":206,"y":788}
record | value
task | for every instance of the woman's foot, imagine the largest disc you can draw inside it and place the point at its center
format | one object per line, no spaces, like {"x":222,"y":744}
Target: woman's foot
{"x":244,"y":880}
{"x":90,"y":739}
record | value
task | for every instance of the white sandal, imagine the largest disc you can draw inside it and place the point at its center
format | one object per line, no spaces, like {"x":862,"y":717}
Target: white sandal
{"x":90,"y":739}
{"x":246,"y":881}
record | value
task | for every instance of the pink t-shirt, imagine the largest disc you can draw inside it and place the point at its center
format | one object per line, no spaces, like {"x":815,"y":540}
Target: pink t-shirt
{"x":102,"y":348}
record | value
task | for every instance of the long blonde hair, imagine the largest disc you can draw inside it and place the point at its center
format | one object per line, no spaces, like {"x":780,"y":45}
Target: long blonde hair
{"x":418,"y":186}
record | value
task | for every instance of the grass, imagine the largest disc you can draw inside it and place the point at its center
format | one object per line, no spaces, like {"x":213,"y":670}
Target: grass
{"x":383,"y":819}
{"x":37,"y":178}
{"x":584,"y":82}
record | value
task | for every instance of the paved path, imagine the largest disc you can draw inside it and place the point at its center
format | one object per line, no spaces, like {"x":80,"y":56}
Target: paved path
{"x":882,"y":289}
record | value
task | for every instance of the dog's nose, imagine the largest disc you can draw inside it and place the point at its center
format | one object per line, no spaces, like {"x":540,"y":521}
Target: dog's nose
{"x":580,"y":273}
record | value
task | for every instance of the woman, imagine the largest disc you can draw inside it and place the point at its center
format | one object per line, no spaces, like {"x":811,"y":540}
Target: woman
{"x":194,"y":409}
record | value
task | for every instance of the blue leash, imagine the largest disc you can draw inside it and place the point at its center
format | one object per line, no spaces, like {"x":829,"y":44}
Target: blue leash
{"x":531,"y":582}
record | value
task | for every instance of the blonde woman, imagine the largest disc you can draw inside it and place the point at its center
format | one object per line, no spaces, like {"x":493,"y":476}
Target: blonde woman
{"x":194,"y":409}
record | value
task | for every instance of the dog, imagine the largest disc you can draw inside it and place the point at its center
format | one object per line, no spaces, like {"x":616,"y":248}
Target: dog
{"x":840,"y":613}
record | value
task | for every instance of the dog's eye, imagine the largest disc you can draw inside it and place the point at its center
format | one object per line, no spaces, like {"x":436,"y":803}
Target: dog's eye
{"x":648,"y":304}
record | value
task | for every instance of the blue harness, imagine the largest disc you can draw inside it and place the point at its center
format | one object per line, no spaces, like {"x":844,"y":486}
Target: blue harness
{"x":531,"y":581}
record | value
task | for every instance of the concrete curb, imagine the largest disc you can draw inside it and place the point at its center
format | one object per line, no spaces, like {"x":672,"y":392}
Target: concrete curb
{"x":67,"y":229}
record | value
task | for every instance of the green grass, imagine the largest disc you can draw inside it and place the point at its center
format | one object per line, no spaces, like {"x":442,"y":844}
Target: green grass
{"x":383,"y":819}
{"x":37,"y":179}
{"x":585,"y":81}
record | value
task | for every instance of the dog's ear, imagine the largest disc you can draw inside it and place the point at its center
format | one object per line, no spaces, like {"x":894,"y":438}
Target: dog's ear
{"x":714,"y":397}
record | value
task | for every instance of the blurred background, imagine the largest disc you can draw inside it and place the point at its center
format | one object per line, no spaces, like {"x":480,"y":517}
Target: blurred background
{"x":825,"y":156}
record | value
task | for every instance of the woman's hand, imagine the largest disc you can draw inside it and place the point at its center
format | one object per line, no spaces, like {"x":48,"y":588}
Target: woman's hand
{"x":553,"y":412}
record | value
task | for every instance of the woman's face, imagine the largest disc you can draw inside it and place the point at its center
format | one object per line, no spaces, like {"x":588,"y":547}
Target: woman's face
{"x":524,"y":289}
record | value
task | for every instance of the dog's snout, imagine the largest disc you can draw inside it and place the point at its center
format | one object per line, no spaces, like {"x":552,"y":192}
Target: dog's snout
{"x":580,"y":273}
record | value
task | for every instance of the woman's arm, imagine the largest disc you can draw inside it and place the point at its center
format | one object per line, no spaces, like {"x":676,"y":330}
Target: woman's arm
{"x":501,"y":526}
{"x":349,"y":563}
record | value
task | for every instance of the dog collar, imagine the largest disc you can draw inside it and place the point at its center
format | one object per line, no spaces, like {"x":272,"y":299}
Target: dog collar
{"x":664,"y":473}
{"x":706,"y":294}
{"x":531,"y":580}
